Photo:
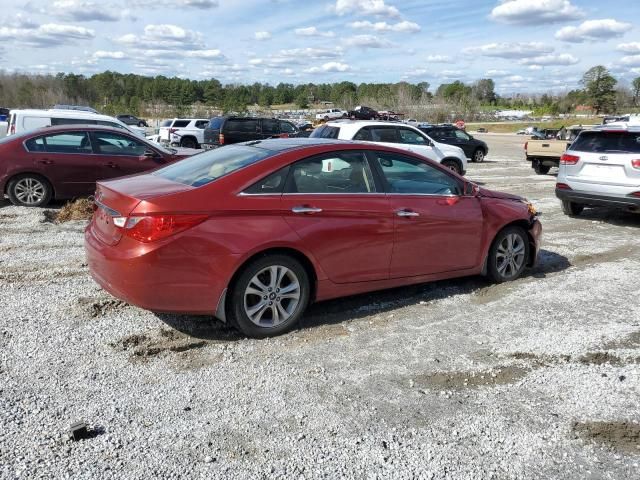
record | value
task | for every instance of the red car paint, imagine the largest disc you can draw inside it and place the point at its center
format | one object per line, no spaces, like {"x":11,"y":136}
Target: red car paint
{"x":356,"y":243}
{"x":75,"y":174}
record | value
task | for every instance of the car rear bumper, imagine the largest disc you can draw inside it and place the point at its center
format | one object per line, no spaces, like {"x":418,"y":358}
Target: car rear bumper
{"x":162,"y":278}
{"x":598,"y":200}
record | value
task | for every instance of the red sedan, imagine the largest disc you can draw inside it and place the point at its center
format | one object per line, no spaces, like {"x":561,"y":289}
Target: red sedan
{"x":253,"y":232}
{"x":66,"y":161}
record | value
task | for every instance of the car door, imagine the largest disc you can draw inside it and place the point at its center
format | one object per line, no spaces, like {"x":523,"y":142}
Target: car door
{"x":66,"y":160}
{"x":237,"y":130}
{"x":270,"y":128}
{"x":383,"y":134}
{"x":119,"y":154}
{"x":462,"y":140}
{"x":416,"y":141}
{"x":287,"y":129}
{"x":341,"y":215}
{"x":437,"y":228}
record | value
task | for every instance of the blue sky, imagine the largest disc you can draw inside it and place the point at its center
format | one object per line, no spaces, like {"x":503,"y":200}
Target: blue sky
{"x":524,"y":45}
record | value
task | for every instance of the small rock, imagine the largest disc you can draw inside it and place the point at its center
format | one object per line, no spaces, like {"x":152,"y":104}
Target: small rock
{"x":209,"y":459}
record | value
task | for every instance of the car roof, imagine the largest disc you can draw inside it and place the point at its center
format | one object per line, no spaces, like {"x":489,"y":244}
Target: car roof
{"x":366,"y":123}
{"x":72,"y":128}
{"x":283,"y":144}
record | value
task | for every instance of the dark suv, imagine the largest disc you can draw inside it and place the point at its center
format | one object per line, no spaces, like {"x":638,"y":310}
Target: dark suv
{"x":473,"y":148}
{"x":132,"y":120}
{"x":228,"y":130}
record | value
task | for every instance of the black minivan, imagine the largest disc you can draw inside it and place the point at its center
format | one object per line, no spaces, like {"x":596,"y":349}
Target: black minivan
{"x":227,"y":130}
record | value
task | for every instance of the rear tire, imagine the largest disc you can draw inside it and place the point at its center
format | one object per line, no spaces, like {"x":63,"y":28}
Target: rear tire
{"x":29,"y":190}
{"x":452,"y":165}
{"x":508,"y":255}
{"x":571,"y":208}
{"x":189,"y":143}
{"x":269,"y":296}
{"x":539,"y":168}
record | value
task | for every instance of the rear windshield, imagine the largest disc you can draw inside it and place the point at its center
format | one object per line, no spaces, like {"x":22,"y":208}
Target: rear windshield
{"x":607,"y":142}
{"x":325,"y":131}
{"x":216,"y":123}
{"x":206,"y":167}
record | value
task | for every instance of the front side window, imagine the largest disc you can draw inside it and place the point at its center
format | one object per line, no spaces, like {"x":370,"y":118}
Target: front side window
{"x":270,"y":126}
{"x":342,"y":172}
{"x":180,"y":123}
{"x":461,"y":135}
{"x":201,"y":124}
{"x":206,"y":167}
{"x":411,"y":137}
{"x":68,"y":142}
{"x":115,"y":144}
{"x":384,"y":134}
{"x":286,"y":127}
{"x":242,"y":125}
{"x":406,"y":175}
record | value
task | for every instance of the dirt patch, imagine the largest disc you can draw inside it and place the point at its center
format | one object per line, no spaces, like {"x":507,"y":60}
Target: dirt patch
{"x":474,"y":379}
{"x":80,"y":209}
{"x":6,"y":216}
{"x":144,"y":346}
{"x":623,"y":436}
{"x":100,"y":307}
{"x":599,"y":358}
{"x":613,"y":255}
{"x":630,"y":341}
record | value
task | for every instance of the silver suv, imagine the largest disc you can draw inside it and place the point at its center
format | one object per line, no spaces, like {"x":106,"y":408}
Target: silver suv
{"x":601,"y":168}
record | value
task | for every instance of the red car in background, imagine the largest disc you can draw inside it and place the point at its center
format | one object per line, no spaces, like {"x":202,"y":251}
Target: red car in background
{"x":66,"y":161}
{"x":253,"y":232}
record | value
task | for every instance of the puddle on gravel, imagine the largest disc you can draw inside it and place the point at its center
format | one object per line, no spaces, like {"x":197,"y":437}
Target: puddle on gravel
{"x":623,"y":436}
{"x":143,"y":346}
{"x":456,"y":380}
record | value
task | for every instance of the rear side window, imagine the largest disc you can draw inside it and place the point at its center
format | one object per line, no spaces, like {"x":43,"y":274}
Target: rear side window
{"x":206,"y":167}
{"x":216,"y":123}
{"x":69,"y":142}
{"x":71,"y":121}
{"x":607,"y":142}
{"x":325,"y":131}
{"x":244,"y":125}
{"x":273,"y":184}
{"x":180,"y":123}
{"x":384,"y":134}
{"x":270,"y":126}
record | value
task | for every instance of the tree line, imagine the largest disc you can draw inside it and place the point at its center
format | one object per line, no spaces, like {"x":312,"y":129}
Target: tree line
{"x":112,"y":92}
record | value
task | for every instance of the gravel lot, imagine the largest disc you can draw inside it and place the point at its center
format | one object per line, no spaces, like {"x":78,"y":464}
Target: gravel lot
{"x":539,"y":378}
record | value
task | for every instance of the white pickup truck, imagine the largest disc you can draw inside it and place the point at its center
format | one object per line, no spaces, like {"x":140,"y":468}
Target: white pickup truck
{"x":332,"y":114}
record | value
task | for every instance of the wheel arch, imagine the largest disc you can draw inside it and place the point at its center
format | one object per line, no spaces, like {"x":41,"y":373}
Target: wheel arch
{"x":190,"y":137}
{"x":5,"y":189}
{"x":454,"y":159}
{"x":525,"y":225}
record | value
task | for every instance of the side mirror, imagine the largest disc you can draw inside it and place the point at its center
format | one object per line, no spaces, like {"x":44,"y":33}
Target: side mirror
{"x":471,"y":189}
{"x":149,"y":154}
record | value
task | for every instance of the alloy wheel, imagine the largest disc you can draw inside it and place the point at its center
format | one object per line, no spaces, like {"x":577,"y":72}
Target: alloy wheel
{"x":30,"y":191}
{"x":479,"y":156}
{"x":272,"y":295}
{"x":510,"y":255}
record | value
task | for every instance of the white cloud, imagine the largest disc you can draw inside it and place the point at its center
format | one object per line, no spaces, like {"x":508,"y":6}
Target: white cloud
{"x":510,"y":50}
{"x":404,"y":26}
{"x":552,"y":59}
{"x":197,"y":4}
{"x":330,"y":67}
{"x":311,"y":52}
{"x":209,"y":54}
{"x":262,"y":35}
{"x":496,"y":73}
{"x":110,"y":55}
{"x":416,"y":72}
{"x":49,"y":34}
{"x":365,"y":7}
{"x":367,"y":41}
{"x":83,"y":11}
{"x":535,"y":12}
{"x":593,"y":30}
{"x":439,"y":59}
{"x":632,"y":47}
{"x":163,"y":37}
{"x":313,"y":32}
{"x":630,"y":61}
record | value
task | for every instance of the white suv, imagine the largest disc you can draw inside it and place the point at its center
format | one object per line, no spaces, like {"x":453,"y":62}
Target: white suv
{"x":396,"y":135}
{"x":601,"y":168}
{"x":183,"y":132}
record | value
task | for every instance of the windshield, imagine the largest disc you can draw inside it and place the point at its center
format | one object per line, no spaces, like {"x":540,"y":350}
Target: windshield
{"x":206,"y":167}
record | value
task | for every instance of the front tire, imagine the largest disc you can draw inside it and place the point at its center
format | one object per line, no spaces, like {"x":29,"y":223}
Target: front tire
{"x":478,"y":156}
{"x":269,"y":296}
{"x":571,"y":208}
{"x":452,"y":165}
{"x":29,"y":190}
{"x":539,"y":168}
{"x":508,"y":255}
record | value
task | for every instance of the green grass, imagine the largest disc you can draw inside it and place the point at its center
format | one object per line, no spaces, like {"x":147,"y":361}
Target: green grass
{"x":513,"y":127}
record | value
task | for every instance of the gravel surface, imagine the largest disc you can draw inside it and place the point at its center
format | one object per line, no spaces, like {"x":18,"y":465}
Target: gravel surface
{"x":538,"y":378}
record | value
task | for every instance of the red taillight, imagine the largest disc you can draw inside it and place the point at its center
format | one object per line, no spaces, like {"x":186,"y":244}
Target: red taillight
{"x":563,"y":186}
{"x":150,"y":228}
{"x":567,"y":159}
{"x":221,"y":139}
{"x":635,"y":163}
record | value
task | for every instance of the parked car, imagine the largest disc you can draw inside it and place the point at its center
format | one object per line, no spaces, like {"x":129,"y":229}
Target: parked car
{"x":183,"y":132}
{"x":232,"y":129}
{"x":79,"y":108}
{"x":30,"y":119}
{"x":65,"y":161}
{"x":253,"y":233}
{"x":396,"y":135}
{"x":363,"y":113}
{"x":601,"y":168}
{"x":332,"y":114}
{"x":474,"y":149}
{"x":132,"y":120}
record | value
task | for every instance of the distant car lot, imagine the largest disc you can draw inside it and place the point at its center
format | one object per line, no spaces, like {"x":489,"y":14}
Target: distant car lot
{"x":532,"y":379}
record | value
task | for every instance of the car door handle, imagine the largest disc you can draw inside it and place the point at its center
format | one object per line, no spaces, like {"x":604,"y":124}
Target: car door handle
{"x":46,"y":161}
{"x":407,"y":213}
{"x":304,"y":209}
{"x":111,"y":165}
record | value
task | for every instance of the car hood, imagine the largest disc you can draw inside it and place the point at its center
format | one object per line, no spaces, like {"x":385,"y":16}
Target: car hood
{"x":449,"y":150}
{"x":182,"y":152}
{"x":485,"y":192}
